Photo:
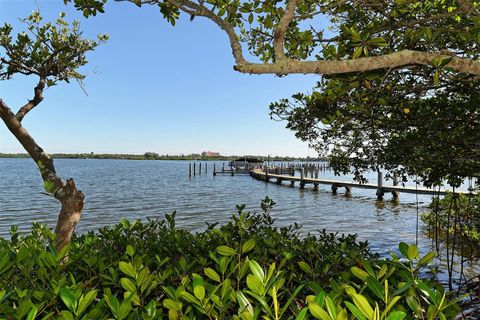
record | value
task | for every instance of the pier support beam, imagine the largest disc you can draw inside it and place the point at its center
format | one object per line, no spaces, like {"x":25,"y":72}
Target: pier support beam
{"x":214,"y":170}
{"x":380,"y":191}
{"x":348,"y":191}
{"x":189,"y":170}
{"x":194,"y":169}
{"x":334,"y":188}
{"x":395,"y":194}
{"x":302,"y":176}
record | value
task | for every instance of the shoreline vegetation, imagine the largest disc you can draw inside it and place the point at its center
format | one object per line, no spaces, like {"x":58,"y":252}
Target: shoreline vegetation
{"x":245,"y":269}
{"x":156,"y":156}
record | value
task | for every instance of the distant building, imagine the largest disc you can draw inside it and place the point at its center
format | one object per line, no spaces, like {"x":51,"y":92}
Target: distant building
{"x":210,"y":154}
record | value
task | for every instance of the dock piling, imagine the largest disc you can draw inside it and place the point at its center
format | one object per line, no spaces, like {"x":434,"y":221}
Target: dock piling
{"x":194,"y":168}
{"x":200,"y":168}
{"x":395,"y":194}
{"x":380,"y":191}
{"x":214,"y":170}
{"x":334,"y":188}
{"x":189,"y":170}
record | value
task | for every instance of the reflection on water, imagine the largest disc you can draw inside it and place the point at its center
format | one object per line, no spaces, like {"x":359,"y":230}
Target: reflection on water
{"x":116,"y":189}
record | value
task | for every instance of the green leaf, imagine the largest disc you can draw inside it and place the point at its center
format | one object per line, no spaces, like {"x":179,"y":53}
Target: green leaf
{"x":363,"y":305}
{"x":199,"y":292}
{"x":332,"y":310}
{"x":128,"y":285}
{"x":127,"y":268}
{"x":413,"y":304}
{"x":412,"y":252}
{"x":426,"y":259}
{"x":403,"y":247}
{"x":112,"y":303}
{"x":85,"y":301}
{"x":69,"y":299}
{"x":249,"y":245}
{"x":256,"y":270}
{"x":189,"y":297}
{"x":357,"y":52}
{"x":255,"y":284}
{"x":302,"y":315}
{"x":225,"y":251}
{"x":317,"y":311}
{"x":375,"y":286}
{"x":354,"y":310}
{"x":359,"y":273}
{"x":32,"y":313}
{"x":212,"y":274}
{"x":397,"y":315}
{"x":305,"y":267}
{"x":130,"y":250}
{"x":170,"y":304}
{"x":124,"y":310}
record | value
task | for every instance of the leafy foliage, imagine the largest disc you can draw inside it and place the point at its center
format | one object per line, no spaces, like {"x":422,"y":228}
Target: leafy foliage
{"x":246,"y":269}
{"x":459,"y":214}
{"x":52,"y":51}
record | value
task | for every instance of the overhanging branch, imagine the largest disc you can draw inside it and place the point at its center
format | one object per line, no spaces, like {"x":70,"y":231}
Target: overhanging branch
{"x":395,"y":60}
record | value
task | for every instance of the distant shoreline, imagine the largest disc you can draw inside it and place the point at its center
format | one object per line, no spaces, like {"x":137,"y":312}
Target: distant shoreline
{"x":151,"y":156}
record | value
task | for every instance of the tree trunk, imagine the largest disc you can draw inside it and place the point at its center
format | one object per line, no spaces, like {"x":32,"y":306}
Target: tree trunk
{"x":67,"y":193}
{"x":70,"y":214}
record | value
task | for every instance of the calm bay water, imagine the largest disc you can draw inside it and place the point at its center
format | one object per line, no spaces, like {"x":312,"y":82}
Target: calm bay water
{"x":116,"y":189}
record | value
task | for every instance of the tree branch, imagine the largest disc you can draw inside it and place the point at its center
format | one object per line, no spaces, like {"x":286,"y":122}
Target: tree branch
{"x":279,"y":35}
{"x":224,"y":25}
{"x":37,"y":98}
{"x":44,"y":162}
{"x":398,"y":59}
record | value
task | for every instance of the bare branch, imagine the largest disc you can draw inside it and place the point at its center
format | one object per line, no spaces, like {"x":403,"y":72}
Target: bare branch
{"x":398,"y":59}
{"x":279,"y":35}
{"x":37,"y":98}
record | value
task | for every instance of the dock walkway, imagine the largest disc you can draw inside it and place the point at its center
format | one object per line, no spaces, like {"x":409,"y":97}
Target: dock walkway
{"x":261,"y":174}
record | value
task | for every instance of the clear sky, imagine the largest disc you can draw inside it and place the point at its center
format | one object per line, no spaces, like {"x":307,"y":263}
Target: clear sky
{"x":153,"y":87}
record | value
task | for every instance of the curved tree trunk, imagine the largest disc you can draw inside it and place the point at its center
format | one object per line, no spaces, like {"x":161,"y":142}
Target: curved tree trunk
{"x":67,"y":193}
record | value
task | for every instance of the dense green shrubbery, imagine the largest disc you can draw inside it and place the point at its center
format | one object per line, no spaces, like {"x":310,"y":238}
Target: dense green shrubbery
{"x":459,"y":214}
{"x":246,"y":269}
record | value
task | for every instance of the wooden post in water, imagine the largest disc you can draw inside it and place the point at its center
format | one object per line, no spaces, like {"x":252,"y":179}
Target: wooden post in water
{"x":380,"y":192}
{"x":206,"y":167}
{"x":348,"y":191}
{"x":189,"y":170}
{"x":395,"y":194}
{"x":194,"y":169}
{"x":334,"y":188}
{"x":200,"y":169}
{"x":223,"y":166}
{"x":302,"y":176}
{"x":214,"y":170}
{"x":315,"y":185}
{"x":231,"y":171}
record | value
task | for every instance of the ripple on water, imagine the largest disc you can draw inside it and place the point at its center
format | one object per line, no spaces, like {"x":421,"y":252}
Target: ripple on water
{"x":117,"y":189}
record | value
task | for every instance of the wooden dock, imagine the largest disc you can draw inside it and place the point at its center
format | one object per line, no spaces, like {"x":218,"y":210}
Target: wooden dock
{"x":381,"y":189}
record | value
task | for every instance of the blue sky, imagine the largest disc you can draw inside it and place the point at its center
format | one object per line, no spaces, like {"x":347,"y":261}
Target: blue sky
{"x":153,"y":87}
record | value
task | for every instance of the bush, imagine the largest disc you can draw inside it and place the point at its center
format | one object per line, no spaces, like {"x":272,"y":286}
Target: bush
{"x":458,"y":214}
{"x":246,"y":269}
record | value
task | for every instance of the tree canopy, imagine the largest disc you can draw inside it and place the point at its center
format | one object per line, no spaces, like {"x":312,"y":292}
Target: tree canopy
{"x":399,"y":78}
